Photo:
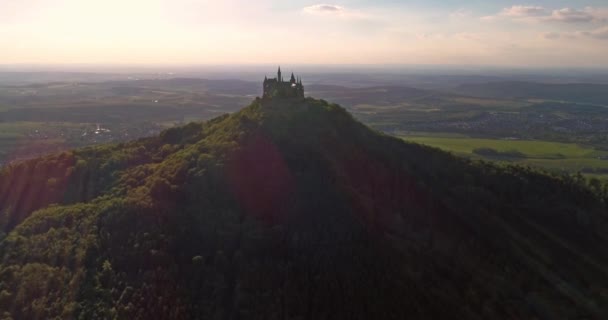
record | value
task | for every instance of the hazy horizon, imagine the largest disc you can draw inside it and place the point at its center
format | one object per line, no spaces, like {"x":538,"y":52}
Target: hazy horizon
{"x":497,"y":33}
{"x":315,"y":68}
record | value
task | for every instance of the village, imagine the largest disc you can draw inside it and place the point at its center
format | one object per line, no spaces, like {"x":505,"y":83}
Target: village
{"x":44,"y":138}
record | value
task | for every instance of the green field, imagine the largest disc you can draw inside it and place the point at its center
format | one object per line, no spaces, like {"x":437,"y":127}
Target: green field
{"x":549,"y":155}
{"x":25,"y":139}
{"x":10,"y":134}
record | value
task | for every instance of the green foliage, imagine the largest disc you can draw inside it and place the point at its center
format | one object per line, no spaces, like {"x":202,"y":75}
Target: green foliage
{"x":292,"y":209}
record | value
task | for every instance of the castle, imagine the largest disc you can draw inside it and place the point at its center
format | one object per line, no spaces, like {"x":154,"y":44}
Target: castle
{"x":278,"y":88}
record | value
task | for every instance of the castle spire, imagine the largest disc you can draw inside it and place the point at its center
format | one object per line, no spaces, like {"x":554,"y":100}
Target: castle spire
{"x":279,"y":88}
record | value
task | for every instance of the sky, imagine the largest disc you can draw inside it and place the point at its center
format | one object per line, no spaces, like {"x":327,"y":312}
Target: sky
{"x":540,"y":33}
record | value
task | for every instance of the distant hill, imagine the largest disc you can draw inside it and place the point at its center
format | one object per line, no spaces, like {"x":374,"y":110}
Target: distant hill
{"x":228,"y":86}
{"x":158,"y":100}
{"x":291,"y":209}
{"x":379,"y":96}
{"x":575,"y":92}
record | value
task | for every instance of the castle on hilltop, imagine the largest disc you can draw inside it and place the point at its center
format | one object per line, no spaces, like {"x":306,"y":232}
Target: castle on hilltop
{"x":278,"y":88}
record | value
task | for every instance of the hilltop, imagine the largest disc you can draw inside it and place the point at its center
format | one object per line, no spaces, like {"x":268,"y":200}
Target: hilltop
{"x":291,"y":209}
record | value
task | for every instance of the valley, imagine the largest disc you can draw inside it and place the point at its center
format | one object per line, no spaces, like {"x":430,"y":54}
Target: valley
{"x":41,"y":117}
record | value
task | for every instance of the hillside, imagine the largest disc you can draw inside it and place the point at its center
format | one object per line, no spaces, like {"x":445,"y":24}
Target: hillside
{"x":291,"y":209}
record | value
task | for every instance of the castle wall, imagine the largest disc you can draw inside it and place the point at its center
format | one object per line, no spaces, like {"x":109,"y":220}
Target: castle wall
{"x":275,"y":89}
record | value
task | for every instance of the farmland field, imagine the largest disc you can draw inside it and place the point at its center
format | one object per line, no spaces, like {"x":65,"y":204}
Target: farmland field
{"x":567,"y":157}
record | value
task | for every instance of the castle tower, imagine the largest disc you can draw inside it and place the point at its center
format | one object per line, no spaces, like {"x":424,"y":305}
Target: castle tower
{"x":278,"y":88}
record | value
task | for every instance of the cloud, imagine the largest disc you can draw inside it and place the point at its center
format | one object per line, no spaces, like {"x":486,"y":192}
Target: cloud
{"x":430,"y":36}
{"x":601,"y":33}
{"x":460,"y":36}
{"x":333,"y":10}
{"x":551,"y":35}
{"x":324,"y":9}
{"x":518,"y":12}
{"x":523,"y":11}
{"x":570,"y":15}
{"x":541,"y":14}
{"x":599,"y":14}
{"x":460,"y":14}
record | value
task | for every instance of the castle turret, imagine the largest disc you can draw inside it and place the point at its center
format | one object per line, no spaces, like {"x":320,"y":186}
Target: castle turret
{"x":278,"y":88}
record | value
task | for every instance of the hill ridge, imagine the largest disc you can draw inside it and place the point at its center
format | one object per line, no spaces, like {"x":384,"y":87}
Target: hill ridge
{"x":291,"y":208}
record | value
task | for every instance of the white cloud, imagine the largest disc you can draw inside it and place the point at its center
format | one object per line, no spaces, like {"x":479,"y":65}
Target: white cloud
{"x":570,"y":15}
{"x":523,"y":11}
{"x":325,"y":9}
{"x":333,"y":10}
{"x":541,"y":14}
{"x":518,"y":13}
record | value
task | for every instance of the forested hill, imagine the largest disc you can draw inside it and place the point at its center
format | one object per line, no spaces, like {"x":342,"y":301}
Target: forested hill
{"x":291,"y":209}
